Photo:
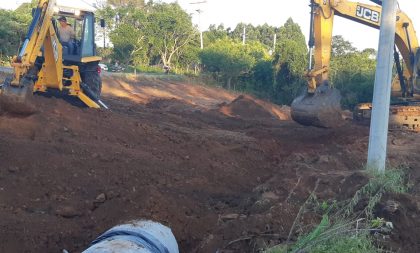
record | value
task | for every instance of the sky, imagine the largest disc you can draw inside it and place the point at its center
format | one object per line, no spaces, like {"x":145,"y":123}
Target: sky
{"x":275,"y":13}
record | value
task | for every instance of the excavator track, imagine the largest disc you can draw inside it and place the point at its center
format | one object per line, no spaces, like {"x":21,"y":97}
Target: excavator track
{"x":401,"y":117}
{"x":405,"y":118}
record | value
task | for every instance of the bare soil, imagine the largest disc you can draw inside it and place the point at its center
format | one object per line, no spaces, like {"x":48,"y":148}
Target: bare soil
{"x":225,"y":172}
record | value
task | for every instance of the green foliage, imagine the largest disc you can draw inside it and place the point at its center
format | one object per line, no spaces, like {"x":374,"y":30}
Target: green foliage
{"x":290,"y":63}
{"x":360,"y":243}
{"x":263,"y":78}
{"x":314,"y":234}
{"x":105,"y":53}
{"x":127,"y":3}
{"x":187,"y":57}
{"x":342,"y":227}
{"x":13,"y":27}
{"x":214,"y":33}
{"x":329,"y":237}
{"x":278,"y":77}
{"x":341,"y":47}
{"x":261,"y":33}
{"x":150,"y":69}
{"x":230,"y":58}
{"x":151,"y":34}
{"x":252,"y":33}
{"x":390,"y":181}
{"x":393,"y":180}
{"x":377,"y":223}
{"x":129,"y":44}
{"x":337,"y":237}
{"x":352,"y":72}
{"x":168,"y":29}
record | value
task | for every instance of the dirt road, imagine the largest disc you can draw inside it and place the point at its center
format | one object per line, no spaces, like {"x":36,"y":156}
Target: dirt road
{"x":227,"y":176}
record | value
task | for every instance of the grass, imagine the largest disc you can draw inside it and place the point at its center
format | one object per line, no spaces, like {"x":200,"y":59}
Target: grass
{"x":393,"y":180}
{"x":360,"y":243}
{"x":342,"y":228}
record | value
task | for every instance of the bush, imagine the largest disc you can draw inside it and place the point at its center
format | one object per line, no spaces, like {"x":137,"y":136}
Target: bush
{"x":342,"y":228}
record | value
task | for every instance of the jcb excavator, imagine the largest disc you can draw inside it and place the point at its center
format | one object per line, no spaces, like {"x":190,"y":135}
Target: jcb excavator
{"x":44,"y":63}
{"x":320,"y":105}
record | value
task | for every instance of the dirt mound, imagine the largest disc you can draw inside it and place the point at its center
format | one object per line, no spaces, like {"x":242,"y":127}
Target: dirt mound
{"x":164,"y":153}
{"x":403,"y":211}
{"x":247,"y":107}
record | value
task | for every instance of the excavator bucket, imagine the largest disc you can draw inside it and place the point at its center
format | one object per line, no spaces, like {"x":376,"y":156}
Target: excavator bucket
{"x":16,"y":100}
{"x":320,"y":109}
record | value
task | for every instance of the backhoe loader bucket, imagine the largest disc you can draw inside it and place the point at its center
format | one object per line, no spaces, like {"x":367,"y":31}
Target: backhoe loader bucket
{"x":320,"y":109}
{"x":17,"y":99}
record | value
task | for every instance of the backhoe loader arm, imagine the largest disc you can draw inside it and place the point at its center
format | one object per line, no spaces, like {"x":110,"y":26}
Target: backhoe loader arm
{"x":41,"y":34}
{"x":370,"y":15}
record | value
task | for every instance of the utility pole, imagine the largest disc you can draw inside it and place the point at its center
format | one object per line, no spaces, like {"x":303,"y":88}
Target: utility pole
{"x":199,"y":11}
{"x":201,"y":30}
{"x":382,"y":91}
{"x":244,"y":36}
{"x":104,"y":36}
{"x":274,"y":42}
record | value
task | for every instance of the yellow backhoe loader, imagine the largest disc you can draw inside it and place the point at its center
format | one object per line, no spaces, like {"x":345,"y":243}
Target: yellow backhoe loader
{"x":46,"y":63}
{"x":320,"y":105}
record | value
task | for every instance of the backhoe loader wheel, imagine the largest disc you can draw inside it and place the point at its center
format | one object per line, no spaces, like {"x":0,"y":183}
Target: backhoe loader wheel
{"x":94,"y":83}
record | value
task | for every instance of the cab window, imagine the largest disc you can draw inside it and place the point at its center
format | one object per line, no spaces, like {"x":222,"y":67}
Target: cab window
{"x":88,"y":35}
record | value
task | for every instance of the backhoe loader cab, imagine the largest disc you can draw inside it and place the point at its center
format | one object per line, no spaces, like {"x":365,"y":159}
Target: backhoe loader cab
{"x":83,"y":25}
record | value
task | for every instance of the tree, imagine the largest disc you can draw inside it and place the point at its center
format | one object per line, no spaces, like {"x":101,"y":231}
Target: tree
{"x":352,"y":72}
{"x":128,"y":37}
{"x":230,"y":58}
{"x":266,"y":34}
{"x":215,"y":33}
{"x":252,"y":34}
{"x":127,"y":3}
{"x":340,"y":46}
{"x":289,"y":62}
{"x":263,"y":78}
{"x":155,"y":34}
{"x":168,"y":29}
{"x":129,"y":45}
{"x":187,"y":57}
{"x":13,"y":28}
